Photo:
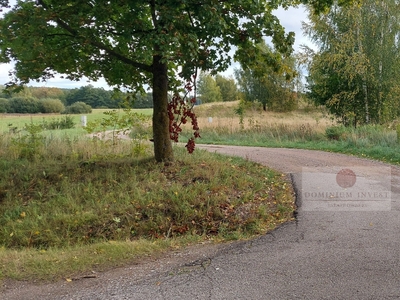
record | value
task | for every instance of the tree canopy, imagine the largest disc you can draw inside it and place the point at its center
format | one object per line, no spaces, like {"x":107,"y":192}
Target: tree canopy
{"x":355,"y":72}
{"x":271,"y":84}
{"x":208,"y":89}
{"x":133,"y":43}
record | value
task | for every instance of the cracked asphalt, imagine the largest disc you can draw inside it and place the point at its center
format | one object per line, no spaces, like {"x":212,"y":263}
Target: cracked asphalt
{"x":346,"y":246}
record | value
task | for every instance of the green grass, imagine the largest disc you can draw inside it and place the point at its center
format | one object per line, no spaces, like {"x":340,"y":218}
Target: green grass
{"x":19,"y":121}
{"x":77,"y":205}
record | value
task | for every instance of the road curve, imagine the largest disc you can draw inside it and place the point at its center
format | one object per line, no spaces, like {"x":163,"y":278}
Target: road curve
{"x":349,"y":249}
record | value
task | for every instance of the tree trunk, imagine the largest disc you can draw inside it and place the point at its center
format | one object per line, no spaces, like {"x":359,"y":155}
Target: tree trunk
{"x":363,"y":76}
{"x":162,"y":142}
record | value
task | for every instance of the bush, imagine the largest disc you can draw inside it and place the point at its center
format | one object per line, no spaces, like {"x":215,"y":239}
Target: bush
{"x":61,"y":123}
{"x":335,"y":132}
{"x":78,"y":108}
{"x":24,"y":105}
{"x":4,"y":105}
{"x":51,"y":106}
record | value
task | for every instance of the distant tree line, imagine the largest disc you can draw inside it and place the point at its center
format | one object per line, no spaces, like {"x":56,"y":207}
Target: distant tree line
{"x":258,"y":83}
{"x":33,"y":100}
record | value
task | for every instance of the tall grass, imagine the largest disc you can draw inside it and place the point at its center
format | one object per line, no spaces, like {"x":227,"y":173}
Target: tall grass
{"x":63,"y":199}
{"x":309,"y":128}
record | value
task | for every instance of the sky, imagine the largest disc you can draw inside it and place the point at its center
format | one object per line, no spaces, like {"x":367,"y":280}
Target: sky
{"x":290,"y":19}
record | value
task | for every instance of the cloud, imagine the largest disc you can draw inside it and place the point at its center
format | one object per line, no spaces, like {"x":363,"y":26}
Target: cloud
{"x":291,"y":19}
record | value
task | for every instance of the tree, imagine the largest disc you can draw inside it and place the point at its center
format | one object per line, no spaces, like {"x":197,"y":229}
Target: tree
{"x":95,"y":97}
{"x":46,"y":92}
{"x":208,"y":89}
{"x":143,"y":100}
{"x":133,"y":43}
{"x":4,"y":105}
{"x":271,"y":84}
{"x":228,"y":88}
{"x":355,"y":72}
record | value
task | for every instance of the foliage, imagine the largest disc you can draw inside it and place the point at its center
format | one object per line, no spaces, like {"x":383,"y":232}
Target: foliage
{"x":208,"y":89}
{"x":335,"y":132}
{"x":180,"y":109}
{"x":131,"y":44}
{"x":228,"y":88}
{"x":30,"y":105}
{"x":46,"y":93}
{"x":4,"y":105}
{"x":69,"y":201}
{"x":29,"y":145}
{"x":95,"y":97}
{"x":24,"y":105}
{"x":240,"y":110}
{"x":48,"y":105}
{"x":61,"y":123}
{"x":143,"y":100}
{"x":78,"y":108}
{"x":118,"y":123}
{"x":270,"y":82}
{"x":355,"y":72}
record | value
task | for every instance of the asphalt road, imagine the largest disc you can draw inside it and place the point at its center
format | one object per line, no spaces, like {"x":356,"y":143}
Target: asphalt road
{"x":344,"y":244}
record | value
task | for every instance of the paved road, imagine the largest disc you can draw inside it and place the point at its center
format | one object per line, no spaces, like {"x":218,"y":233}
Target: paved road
{"x":343,"y":247}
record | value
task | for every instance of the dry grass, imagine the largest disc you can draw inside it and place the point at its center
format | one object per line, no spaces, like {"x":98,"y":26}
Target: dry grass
{"x":213,"y":116}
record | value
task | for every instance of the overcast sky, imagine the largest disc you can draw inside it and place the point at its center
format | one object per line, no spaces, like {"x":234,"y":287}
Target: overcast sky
{"x":291,"y":19}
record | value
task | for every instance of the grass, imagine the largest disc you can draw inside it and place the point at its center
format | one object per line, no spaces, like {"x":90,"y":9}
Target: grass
{"x":84,"y":204}
{"x":19,"y":121}
{"x":70,"y":204}
{"x":307,"y":128}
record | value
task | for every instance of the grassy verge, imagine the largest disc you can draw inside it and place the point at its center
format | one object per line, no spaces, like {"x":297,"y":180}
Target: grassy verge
{"x":96,"y":204}
{"x":383,"y":147}
{"x":304,"y":129}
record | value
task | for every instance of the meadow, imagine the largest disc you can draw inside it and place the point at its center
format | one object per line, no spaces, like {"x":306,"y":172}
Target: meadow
{"x":18,"y":121}
{"x":72,"y":203}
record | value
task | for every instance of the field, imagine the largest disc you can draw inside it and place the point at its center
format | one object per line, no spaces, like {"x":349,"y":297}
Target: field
{"x":71,"y":203}
{"x":18,"y":121}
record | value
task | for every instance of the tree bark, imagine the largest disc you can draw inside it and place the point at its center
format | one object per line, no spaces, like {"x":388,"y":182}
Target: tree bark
{"x":162,"y":142}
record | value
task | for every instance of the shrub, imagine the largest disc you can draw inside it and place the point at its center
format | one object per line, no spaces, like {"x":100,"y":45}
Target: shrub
{"x":4,"y":105}
{"x":61,"y":123}
{"x":335,"y":132}
{"x":78,"y":108}
{"x":51,"y":106}
{"x":24,"y":105}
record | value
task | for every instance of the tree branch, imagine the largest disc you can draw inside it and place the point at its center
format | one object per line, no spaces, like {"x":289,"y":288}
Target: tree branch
{"x":100,"y":45}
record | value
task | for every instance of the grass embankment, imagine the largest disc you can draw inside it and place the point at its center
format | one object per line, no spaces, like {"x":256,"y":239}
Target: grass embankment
{"x":89,"y":205}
